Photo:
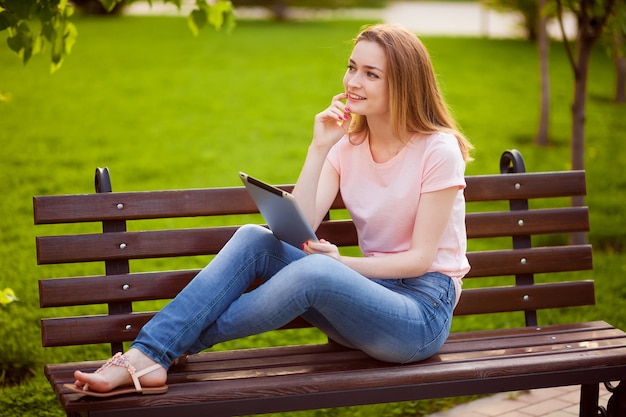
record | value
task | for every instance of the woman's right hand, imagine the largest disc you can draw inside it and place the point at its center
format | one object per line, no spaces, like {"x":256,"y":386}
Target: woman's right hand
{"x":332,"y":123}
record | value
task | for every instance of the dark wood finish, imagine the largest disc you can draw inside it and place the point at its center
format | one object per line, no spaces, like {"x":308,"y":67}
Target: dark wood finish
{"x":272,"y":379}
{"x":312,"y":376}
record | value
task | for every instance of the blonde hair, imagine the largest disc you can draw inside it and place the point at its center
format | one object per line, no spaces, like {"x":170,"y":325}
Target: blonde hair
{"x":415,"y":102}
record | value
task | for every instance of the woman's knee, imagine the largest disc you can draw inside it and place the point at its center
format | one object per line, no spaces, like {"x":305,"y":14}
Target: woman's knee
{"x":253,"y":235}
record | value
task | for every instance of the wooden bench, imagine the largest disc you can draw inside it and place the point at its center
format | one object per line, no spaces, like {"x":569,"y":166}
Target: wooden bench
{"x":506,"y":277}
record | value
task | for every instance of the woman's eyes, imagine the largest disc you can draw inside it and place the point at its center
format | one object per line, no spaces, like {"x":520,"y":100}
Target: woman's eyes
{"x":370,"y":74}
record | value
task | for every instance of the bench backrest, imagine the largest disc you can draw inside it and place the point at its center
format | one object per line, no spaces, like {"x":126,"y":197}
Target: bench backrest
{"x":506,"y":239}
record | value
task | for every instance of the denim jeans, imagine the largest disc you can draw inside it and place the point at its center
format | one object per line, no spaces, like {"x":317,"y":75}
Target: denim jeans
{"x":393,"y":320}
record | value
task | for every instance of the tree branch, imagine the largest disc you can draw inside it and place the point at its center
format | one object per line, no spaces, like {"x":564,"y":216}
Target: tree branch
{"x":568,"y":49}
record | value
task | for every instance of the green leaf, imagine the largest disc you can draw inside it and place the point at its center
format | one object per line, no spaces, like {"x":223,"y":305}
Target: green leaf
{"x":216,"y":17}
{"x":47,"y":31}
{"x":196,"y":20}
{"x":15,"y":43}
{"x":71,"y":33}
{"x":220,"y":11}
{"x":7,"y":296}
{"x":6,"y":20}
{"x":109,"y":4}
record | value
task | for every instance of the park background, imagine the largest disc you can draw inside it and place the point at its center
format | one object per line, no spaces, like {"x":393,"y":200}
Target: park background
{"x":165,"y":110}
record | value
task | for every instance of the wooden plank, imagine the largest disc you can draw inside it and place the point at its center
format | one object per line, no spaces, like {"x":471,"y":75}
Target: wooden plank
{"x":590,"y":326}
{"x":530,"y":261}
{"x":158,"y":243}
{"x":142,"y":205}
{"x":147,"y":205}
{"x":530,"y":297}
{"x":132,"y":245}
{"x":92,"y":329}
{"x":113,"y":288}
{"x":116,"y":328}
{"x":531,"y":222}
{"x":525,"y":186}
{"x":206,"y":241}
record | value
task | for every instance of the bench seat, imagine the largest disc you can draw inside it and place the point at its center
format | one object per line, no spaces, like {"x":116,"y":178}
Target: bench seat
{"x":266,"y":380}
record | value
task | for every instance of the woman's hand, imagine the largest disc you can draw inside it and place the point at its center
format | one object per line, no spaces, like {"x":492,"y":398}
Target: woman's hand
{"x":322,"y":247}
{"x":332,"y":123}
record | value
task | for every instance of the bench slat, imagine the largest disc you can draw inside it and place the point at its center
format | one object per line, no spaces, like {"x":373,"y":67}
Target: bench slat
{"x":531,"y":297}
{"x":112,"y":288}
{"x":143,"y":205}
{"x":534,"y":260}
{"x":102,"y":329}
{"x":532,"y":222}
{"x":525,"y":186}
{"x":158,"y":243}
{"x":106,"y":329}
{"x":208,"y":241}
{"x":132,"y":245}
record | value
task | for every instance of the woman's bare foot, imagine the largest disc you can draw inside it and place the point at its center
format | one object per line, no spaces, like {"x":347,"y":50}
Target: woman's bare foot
{"x":112,"y":377}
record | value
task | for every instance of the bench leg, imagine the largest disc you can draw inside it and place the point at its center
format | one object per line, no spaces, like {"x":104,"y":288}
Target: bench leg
{"x":589,"y":395}
{"x":617,"y":403}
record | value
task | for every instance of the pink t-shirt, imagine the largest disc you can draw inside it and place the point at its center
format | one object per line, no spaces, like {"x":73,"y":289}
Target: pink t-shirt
{"x":382,"y":198}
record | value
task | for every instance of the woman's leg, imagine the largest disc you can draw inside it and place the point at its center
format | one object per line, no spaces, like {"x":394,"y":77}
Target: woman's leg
{"x":391,"y":320}
{"x":253,"y":252}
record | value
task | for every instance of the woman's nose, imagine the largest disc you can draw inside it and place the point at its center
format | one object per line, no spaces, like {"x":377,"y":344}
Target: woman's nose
{"x":353,"y":81}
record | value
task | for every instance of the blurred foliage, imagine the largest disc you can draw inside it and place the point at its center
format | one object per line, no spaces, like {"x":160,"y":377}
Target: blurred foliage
{"x":33,"y":24}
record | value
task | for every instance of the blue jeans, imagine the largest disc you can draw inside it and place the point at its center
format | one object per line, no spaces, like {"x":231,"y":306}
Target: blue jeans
{"x":395,"y":320}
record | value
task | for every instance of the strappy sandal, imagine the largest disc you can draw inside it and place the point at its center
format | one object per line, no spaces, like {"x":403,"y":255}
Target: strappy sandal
{"x":120,"y":360}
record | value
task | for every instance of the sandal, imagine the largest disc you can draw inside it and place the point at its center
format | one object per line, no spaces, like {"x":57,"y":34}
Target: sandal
{"x":120,"y":360}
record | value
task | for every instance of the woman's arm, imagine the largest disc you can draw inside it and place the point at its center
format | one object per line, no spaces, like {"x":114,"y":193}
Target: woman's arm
{"x":318,"y":182}
{"x":432,"y":217}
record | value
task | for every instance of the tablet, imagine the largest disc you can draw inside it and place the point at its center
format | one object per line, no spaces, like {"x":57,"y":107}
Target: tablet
{"x":280,"y":210}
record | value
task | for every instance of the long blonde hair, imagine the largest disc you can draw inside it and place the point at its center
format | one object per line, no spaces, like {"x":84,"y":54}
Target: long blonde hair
{"x":415,"y":102}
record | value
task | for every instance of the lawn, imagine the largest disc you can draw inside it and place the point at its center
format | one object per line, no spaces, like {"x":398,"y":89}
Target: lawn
{"x":164,"y":110}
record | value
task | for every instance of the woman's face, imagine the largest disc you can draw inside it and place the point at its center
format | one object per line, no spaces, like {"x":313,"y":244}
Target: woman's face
{"x":366,"y":80}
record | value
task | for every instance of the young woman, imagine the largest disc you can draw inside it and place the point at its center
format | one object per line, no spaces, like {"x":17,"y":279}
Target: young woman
{"x":389,"y":144}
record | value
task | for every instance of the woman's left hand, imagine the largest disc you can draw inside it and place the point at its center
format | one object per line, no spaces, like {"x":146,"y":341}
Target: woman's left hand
{"x":322,"y":247}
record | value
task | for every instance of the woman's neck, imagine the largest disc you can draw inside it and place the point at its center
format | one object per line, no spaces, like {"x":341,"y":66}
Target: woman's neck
{"x":384,"y":145}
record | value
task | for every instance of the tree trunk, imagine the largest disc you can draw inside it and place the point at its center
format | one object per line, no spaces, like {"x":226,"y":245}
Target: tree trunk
{"x":543,"y":47}
{"x":620,"y":68}
{"x":578,"y":106}
{"x":585,"y":39}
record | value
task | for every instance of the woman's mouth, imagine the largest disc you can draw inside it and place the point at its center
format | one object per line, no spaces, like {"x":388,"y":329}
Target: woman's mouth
{"x":355,"y":97}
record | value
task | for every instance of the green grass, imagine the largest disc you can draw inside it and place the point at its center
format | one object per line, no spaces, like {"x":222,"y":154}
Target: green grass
{"x":165,"y":110}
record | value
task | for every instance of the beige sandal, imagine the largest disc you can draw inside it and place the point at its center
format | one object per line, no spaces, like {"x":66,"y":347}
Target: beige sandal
{"x":120,"y":360}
